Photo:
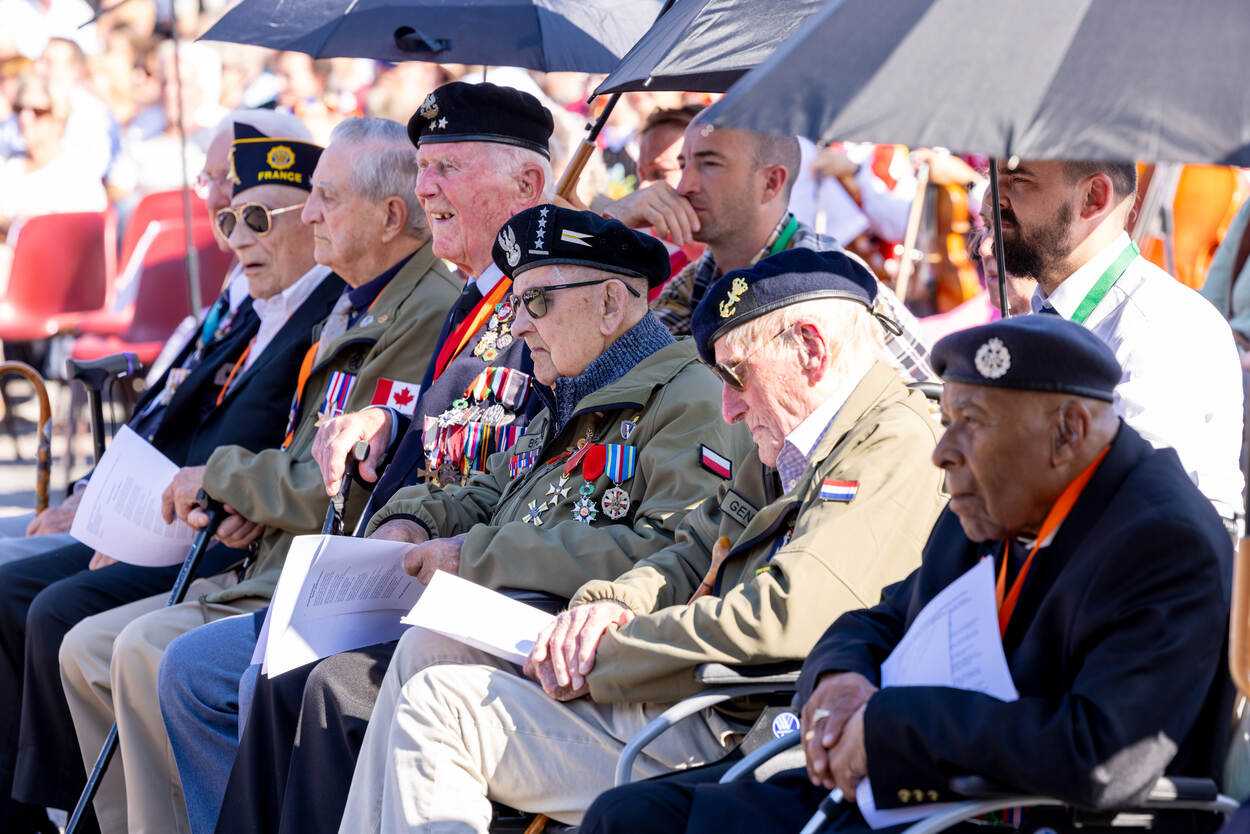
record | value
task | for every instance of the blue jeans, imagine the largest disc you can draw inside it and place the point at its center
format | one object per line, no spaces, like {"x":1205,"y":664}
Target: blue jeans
{"x":199,"y":688}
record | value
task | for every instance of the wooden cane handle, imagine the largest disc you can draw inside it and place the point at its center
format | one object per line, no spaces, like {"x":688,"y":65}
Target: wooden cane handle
{"x":567,"y":187}
{"x":719,"y":551}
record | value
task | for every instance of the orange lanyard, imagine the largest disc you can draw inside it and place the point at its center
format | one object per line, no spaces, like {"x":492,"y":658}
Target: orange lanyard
{"x":462,"y":334}
{"x":1067,"y":499}
{"x":221,"y":395}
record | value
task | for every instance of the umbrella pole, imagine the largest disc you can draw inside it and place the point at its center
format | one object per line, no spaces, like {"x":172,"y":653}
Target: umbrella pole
{"x":998,"y":239}
{"x":907,"y":263}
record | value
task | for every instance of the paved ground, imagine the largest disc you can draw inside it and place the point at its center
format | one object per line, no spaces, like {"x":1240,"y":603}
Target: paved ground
{"x":17,"y":463}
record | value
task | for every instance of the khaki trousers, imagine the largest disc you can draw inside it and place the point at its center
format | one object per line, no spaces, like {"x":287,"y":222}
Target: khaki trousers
{"x":454,"y":728}
{"x":112,"y":659}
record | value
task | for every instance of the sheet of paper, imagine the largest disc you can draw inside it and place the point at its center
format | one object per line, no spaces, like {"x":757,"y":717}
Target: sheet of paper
{"x":335,"y":594}
{"x":478,"y":617}
{"x":954,"y":642}
{"x":120,"y":512}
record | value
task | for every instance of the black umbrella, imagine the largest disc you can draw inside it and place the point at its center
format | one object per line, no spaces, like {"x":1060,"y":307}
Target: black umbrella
{"x":707,"y":45}
{"x":547,"y":35}
{"x":1156,"y":80}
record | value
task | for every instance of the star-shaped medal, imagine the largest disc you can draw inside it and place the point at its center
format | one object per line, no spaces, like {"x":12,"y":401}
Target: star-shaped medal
{"x":584,"y":510}
{"x":535,"y":513}
{"x":559,"y":490}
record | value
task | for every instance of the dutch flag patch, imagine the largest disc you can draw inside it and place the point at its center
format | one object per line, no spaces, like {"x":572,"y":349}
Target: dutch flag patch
{"x":844,"y":491}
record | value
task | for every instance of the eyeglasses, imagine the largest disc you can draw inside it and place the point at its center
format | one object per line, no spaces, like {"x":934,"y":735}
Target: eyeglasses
{"x":205,"y":181}
{"x":729,"y":373}
{"x":256,"y":217}
{"x":535,"y":298}
{"x":39,"y":112}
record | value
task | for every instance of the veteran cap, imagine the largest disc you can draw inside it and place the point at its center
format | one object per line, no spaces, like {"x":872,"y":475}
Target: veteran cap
{"x":460,"y":112}
{"x":547,"y":234}
{"x":256,"y":159}
{"x":1030,"y":353}
{"x":778,"y":281}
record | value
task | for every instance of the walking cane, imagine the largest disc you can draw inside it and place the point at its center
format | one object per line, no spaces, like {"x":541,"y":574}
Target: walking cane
{"x":333,"y":525}
{"x":93,"y":375}
{"x":216,"y":514}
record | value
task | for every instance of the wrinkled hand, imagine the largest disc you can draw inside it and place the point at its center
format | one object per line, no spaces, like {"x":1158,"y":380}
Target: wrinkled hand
{"x":438,"y":554}
{"x":824,"y":721}
{"x":401,"y":530}
{"x":235,"y":530}
{"x":336,"y":438}
{"x":848,"y":761}
{"x":56,"y":519}
{"x":564,"y":652}
{"x":99,"y":560}
{"x":178,"y":500}
{"x":659,"y":207}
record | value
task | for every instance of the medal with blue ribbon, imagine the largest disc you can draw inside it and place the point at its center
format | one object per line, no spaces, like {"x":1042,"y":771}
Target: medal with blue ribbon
{"x":621,"y":463}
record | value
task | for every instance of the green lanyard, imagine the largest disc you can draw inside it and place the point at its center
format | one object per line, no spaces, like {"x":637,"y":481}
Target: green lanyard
{"x":1104,"y":283}
{"x":783,"y":240}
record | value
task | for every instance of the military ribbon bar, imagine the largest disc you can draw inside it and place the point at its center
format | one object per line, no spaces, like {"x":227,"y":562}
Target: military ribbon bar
{"x":338,"y":389}
{"x":621,"y":462}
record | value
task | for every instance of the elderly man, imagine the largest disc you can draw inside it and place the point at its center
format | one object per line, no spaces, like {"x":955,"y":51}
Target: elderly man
{"x":474,"y":141}
{"x":189,"y":412}
{"x":844,"y":513}
{"x":379,"y":335}
{"x":599,"y":481}
{"x":733,"y":195}
{"x":1063,"y":224}
{"x":1111,"y":640}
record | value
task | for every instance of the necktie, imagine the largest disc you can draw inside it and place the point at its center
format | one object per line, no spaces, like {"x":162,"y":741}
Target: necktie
{"x":1048,"y":310}
{"x":335,"y":326}
{"x":465,"y":303}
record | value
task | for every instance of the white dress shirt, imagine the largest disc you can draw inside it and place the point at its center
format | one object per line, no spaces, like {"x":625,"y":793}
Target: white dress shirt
{"x":1182,"y":378}
{"x":486,"y":282}
{"x":273,"y":312}
{"x":796,"y":452}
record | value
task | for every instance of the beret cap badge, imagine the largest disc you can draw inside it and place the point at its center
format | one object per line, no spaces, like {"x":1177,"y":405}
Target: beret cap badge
{"x":507,"y":242}
{"x":429,"y":107}
{"x":992,"y":359}
{"x":736,"y":290}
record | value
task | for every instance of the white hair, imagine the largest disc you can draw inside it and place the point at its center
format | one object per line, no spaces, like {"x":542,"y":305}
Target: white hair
{"x":388,"y":170}
{"x":849,"y":329}
{"x":512,"y":159}
{"x":275,"y":124}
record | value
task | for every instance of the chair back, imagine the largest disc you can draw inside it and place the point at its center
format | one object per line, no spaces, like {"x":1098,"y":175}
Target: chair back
{"x":160,"y":206}
{"x":162,"y":300}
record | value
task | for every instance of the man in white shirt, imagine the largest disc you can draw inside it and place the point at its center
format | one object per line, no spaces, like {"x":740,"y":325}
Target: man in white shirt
{"x":1063,"y":222}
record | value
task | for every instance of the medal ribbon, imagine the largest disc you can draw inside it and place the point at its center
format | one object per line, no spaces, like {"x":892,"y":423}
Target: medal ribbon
{"x":622,"y":461}
{"x":238,"y":364}
{"x":1060,"y":510}
{"x":1104,"y":283}
{"x":472,"y":322}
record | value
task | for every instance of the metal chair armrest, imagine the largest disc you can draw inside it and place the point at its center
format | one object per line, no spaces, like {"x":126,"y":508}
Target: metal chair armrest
{"x":784,"y":675}
{"x":747,"y":765}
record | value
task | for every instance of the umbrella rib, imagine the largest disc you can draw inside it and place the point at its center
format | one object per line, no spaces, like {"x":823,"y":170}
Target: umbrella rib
{"x":332,"y":29}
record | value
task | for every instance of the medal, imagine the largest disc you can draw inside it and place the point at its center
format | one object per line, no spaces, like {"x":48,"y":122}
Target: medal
{"x":534,"y":515}
{"x":615,"y":503}
{"x":490,"y":354}
{"x":505,"y":341}
{"x":558,"y":490}
{"x":584,"y":510}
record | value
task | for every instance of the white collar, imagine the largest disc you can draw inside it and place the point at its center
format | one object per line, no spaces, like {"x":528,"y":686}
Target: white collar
{"x":486,"y":282}
{"x":1068,"y":296}
{"x":285,"y":302}
{"x":807,"y":434}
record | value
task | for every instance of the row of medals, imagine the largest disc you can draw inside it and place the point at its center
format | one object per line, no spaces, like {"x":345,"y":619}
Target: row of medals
{"x":498,"y":335}
{"x":615,"y":501}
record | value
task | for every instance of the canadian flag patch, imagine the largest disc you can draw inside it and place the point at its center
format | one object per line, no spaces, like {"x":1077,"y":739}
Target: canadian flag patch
{"x":715,"y":463}
{"x":401,"y":396}
{"x":831,"y":490}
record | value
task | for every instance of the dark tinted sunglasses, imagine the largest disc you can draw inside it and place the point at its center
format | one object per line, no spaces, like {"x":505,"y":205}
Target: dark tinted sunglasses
{"x":535,"y":298}
{"x":256,"y":217}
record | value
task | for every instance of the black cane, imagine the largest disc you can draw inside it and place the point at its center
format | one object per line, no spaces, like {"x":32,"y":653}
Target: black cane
{"x":216,"y":514}
{"x":333,"y":525}
{"x":93,"y":375}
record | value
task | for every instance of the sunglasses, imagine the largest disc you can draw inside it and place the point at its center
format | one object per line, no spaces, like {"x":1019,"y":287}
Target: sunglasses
{"x":535,"y":298}
{"x":39,"y":112}
{"x":731,"y":374}
{"x":256,"y":217}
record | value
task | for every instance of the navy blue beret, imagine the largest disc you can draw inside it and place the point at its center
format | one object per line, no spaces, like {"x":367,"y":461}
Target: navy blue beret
{"x":548,"y":234}
{"x":774,"y":282}
{"x":256,"y":159}
{"x":1030,"y":353}
{"x":460,"y":112}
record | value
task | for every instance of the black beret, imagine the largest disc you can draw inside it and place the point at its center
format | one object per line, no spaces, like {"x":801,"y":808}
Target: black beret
{"x":547,"y":234}
{"x":1030,"y":353}
{"x":460,"y":112}
{"x":256,"y":159}
{"x":778,"y":281}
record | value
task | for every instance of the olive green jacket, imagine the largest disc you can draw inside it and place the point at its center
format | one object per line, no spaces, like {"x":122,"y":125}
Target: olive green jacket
{"x":779,"y":590}
{"x":283,"y":488}
{"x":677,"y":404}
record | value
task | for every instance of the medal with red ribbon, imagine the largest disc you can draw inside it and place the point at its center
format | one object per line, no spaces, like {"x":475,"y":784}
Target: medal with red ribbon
{"x":593,"y":458}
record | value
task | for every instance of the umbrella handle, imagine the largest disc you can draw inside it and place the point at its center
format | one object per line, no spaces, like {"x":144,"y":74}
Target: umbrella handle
{"x":567,"y":187}
{"x":914,"y":215}
{"x":1239,"y":621}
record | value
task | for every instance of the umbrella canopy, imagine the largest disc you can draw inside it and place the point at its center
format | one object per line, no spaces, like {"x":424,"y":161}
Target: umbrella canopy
{"x":1153,"y":80}
{"x":547,"y":35}
{"x":707,"y":45}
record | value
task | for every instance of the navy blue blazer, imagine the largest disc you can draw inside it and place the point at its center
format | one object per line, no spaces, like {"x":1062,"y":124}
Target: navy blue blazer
{"x":1117,"y":648}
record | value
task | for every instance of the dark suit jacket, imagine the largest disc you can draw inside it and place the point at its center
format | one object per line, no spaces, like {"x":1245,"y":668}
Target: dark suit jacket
{"x":1117,"y":648}
{"x":254,"y":411}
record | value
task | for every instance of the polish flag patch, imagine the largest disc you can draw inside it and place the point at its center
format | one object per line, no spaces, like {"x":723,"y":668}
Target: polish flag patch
{"x":831,"y":490}
{"x":715,"y":463}
{"x":401,"y":396}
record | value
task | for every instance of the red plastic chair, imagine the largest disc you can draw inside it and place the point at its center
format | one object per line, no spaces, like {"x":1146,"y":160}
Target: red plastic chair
{"x":159,"y":205}
{"x":62,"y":264}
{"x":161,"y":301}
